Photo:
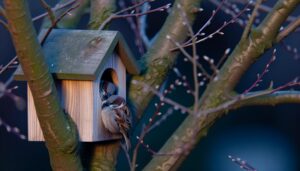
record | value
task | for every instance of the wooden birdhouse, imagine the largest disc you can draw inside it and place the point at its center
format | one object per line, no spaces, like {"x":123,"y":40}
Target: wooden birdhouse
{"x":78,"y":61}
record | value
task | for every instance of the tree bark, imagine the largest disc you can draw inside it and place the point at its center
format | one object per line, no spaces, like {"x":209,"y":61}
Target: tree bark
{"x":219,"y":91}
{"x":59,"y":130}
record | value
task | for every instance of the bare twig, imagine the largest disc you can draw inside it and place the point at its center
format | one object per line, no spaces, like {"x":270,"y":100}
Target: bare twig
{"x":288,"y":30}
{"x":218,"y":31}
{"x":263,"y":8}
{"x":2,"y":11}
{"x":292,"y":50}
{"x":142,"y":22}
{"x":57,"y":7}
{"x":163,"y":98}
{"x":251,"y":20}
{"x":127,"y":155}
{"x":118,"y":14}
{"x":8,"y":64}
{"x":4,"y":24}
{"x":227,"y":8}
{"x":225,"y":55}
{"x":14,"y":130}
{"x":208,"y":22}
{"x":194,"y":57}
{"x":260,"y":76}
{"x":135,"y":27}
{"x":49,"y":10}
{"x":57,"y":20}
{"x":188,"y":56}
{"x":242,"y":163}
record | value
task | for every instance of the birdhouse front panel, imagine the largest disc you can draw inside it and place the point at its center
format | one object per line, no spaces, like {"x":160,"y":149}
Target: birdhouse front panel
{"x":80,"y":60}
{"x":81,"y":100}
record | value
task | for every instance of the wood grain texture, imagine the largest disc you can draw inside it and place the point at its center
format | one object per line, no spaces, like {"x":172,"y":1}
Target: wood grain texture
{"x":81,"y":99}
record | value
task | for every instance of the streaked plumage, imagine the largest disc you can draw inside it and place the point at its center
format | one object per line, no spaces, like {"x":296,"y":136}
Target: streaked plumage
{"x":115,"y":114}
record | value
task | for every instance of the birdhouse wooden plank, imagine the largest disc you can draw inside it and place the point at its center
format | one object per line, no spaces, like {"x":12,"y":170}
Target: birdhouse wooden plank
{"x":79,"y":60}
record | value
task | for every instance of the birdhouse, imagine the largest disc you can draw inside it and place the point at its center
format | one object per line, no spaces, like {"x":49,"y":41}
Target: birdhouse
{"x":78,"y":61}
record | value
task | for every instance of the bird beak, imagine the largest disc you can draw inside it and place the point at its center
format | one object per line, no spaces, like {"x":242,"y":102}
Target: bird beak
{"x":122,"y":105}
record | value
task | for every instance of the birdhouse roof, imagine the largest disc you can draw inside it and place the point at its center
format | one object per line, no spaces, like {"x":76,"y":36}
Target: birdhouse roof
{"x":80,"y":54}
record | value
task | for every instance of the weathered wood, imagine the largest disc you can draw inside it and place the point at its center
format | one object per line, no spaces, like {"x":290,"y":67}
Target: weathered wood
{"x":81,"y":99}
{"x":80,"y":54}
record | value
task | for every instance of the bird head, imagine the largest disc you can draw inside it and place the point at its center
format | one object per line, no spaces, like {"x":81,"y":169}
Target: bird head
{"x":107,"y":89}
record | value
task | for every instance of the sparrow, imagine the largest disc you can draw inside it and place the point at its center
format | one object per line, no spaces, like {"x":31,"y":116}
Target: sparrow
{"x":115,"y":113}
{"x":116,"y":117}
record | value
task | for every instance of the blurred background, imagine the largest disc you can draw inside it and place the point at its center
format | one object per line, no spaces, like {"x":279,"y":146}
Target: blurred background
{"x":267,"y":137}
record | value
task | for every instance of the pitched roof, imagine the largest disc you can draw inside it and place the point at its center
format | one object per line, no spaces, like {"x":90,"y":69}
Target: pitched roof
{"x":79,"y":54}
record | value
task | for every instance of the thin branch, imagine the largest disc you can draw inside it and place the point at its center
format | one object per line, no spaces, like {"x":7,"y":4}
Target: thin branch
{"x":49,"y":10}
{"x":142,"y":22}
{"x":57,"y":7}
{"x":288,"y":30}
{"x":225,"y":55}
{"x":127,"y":156}
{"x":251,"y":20}
{"x":14,"y":130}
{"x":57,"y":20}
{"x":242,"y":163}
{"x":162,"y":97}
{"x":218,"y":31}
{"x":208,"y":22}
{"x":8,"y":64}
{"x":135,"y":27}
{"x":118,"y":15}
{"x":194,"y":57}
{"x":260,"y":76}
{"x":263,"y":8}
{"x":188,"y":56}
{"x":2,"y":12}
{"x":4,"y":24}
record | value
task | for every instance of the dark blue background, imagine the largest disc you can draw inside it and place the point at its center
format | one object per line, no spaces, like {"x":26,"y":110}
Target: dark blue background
{"x":267,"y":137}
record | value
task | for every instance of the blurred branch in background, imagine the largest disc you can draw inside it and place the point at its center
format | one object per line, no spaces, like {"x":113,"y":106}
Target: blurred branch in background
{"x":19,"y":103}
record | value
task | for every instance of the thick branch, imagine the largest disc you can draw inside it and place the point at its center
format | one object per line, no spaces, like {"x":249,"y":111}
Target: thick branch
{"x":58,"y":129}
{"x":217,"y":92}
{"x":104,"y":155}
{"x":159,"y":59}
{"x":279,"y":97}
